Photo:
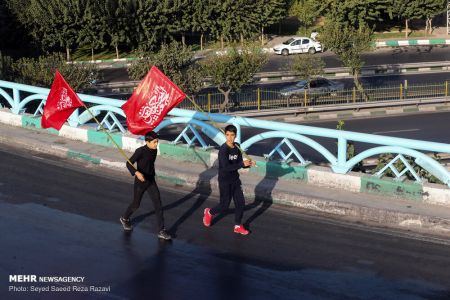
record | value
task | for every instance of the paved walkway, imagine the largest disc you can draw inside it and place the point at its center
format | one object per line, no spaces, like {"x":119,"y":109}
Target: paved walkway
{"x":376,"y":210}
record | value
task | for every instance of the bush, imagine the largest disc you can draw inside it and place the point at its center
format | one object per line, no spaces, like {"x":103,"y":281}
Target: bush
{"x":176,"y":62}
{"x":386,"y":158}
{"x":41,"y":72}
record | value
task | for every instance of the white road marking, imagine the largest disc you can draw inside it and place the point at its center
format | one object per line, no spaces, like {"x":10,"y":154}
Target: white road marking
{"x":394,"y":131}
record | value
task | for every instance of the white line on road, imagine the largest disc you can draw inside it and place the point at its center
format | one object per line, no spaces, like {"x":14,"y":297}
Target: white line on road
{"x":393,"y":131}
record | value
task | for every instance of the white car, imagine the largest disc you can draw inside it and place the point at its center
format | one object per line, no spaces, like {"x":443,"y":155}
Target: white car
{"x":298,"y":45}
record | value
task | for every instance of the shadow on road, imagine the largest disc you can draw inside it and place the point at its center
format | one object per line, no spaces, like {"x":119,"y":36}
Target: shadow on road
{"x":264,"y":189}
{"x":202,"y":191}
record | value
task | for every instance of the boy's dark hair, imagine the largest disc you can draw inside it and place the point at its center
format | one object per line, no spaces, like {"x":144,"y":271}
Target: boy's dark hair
{"x":150,"y":136}
{"x":231,"y":128}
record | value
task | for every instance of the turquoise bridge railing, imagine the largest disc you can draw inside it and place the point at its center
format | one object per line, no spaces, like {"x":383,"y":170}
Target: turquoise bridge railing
{"x":20,"y":99}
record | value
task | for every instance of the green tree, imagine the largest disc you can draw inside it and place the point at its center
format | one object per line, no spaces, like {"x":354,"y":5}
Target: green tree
{"x":180,"y":18}
{"x":51,"y":22}
{"x":231,"y":71}
{"x":202,"y":17}
{"x":348,"y":43}
{"x":151,"y":22}
{"x":41,"y":71}
{"x":235,"y":20}
{"x":22,"y":13}
{"x":119,"y":22}
{"x":430,"y":9}
{"x":306,"y":11}
{"x":406,"y":10}
{"x":57,"y":22}
{"x":268,"y":12}
{"x":357,"y":13}
{"x":176,"y":62}
{"x":93,"y":28}
{"x":307,"y":66}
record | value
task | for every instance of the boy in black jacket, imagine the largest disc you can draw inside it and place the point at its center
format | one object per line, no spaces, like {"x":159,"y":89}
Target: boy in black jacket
{"x":144,"y":174}
{"x":230,"y":161}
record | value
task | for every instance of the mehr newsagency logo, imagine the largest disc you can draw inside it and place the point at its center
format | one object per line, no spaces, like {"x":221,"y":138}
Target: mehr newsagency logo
{"x":41,"y":284}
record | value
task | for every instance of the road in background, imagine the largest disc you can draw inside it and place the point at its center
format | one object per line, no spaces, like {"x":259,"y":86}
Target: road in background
{"x":384,"y":56}
{"x":431,"y":127}
{"x":381,"y":56}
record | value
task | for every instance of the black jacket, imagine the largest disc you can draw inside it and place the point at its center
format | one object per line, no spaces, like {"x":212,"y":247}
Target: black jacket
{"x":230,"y":161}
{"x":145,"y":158}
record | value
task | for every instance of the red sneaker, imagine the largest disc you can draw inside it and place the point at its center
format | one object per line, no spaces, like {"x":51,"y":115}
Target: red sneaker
{"x":207,"y":217}
{"x":240,"y":229}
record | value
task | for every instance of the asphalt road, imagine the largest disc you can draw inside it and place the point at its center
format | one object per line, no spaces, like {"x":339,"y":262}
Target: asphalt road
{"x":60,"y":218}
{"x":370,"y":81}
{"x":383,"y":56}
{"x":433,"y":127}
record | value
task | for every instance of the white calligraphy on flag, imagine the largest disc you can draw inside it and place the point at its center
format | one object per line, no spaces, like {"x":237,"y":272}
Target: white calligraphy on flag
{"x":151,"y":111}
{"x":64,"y":101}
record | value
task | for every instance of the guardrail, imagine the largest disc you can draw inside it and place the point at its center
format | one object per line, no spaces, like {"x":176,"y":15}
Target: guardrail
{"x":266,"y":77}
{"x":267,"y":100}
{"x":21,"y":99}
{"x":264,"y":100}
{"x":366,"y":70}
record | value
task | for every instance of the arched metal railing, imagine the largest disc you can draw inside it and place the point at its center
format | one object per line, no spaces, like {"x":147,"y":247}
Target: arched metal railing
{"x":20,"y":98}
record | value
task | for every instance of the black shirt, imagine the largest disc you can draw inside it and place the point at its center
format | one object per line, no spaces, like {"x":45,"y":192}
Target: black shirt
{"x":145,"y":158}
{"x":230,"y":161}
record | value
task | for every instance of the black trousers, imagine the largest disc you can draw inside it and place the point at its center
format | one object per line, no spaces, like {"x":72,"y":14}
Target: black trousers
{"x":228,"y":191}
{"x":152,"y":189}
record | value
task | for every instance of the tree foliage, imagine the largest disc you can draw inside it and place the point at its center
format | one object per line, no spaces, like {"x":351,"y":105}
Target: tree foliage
{"x":307,"y":66}
{"x":306,"y":11}
{"x":176,"y":62}
{"x":41,"y":71}
{"x":229,"y":72}
{"x":118,"y":19}
{"x":58,"y":25}
{"x":268,"y":12}
{"x":348,"y":43}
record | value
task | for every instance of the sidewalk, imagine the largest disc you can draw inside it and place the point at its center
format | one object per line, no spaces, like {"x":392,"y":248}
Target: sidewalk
{"x":333,"y":203}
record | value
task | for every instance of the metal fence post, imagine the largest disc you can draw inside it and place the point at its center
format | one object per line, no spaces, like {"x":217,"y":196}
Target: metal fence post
{"x":209,"y":102}
{"x":446,"y":89}
{"x":259,"y":98}
{"x":306,"y":98}
{"x":401,"y":91}
{"x":405,"y":89}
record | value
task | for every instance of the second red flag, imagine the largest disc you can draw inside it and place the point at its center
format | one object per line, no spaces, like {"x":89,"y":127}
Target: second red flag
{"x":150,"y":102}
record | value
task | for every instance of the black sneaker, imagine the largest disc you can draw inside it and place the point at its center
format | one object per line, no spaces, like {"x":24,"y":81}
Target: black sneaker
{"x":164,"y":235}
{"x":126,"y":224}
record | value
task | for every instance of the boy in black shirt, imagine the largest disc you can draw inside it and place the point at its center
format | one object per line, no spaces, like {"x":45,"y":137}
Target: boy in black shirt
{"x":144,"y":174}
{"x":230,"y":161}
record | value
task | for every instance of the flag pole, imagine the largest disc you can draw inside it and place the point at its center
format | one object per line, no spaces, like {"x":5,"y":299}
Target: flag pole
{"x":109,"y":135}
{"x":215,"y":125}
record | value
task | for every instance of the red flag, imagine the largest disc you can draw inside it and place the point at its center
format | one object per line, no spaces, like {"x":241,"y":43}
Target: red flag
{"x":154,"y":97}
{"x":60,"y":104}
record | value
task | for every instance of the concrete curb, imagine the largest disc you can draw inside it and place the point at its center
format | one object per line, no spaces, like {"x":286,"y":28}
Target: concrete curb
{"x":316,"y":114}
{"x":412,"y":42}
{"x":315,"y":175}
